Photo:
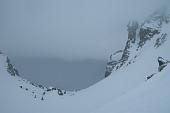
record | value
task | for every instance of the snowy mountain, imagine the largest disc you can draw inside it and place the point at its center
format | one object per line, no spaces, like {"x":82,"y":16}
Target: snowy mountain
{"x":138,"y":35}
{"x":137,"y":79}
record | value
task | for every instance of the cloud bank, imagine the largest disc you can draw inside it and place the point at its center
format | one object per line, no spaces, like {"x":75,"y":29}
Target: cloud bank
{"x":68,"y":29}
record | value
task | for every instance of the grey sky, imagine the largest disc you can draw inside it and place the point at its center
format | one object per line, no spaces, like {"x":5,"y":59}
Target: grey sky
{"x":68,"y":29}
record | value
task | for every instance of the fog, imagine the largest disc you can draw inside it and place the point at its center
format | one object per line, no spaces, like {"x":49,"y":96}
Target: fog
{"x":65,"y":43}
{"x":69,"y":29}
{"x":68,"y":75}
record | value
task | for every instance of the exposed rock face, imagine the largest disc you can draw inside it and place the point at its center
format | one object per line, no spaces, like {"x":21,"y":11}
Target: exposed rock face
{"x":10,"y":68}
{"x":160,"y":40}
{"x":162,"y":63}
{"x":113,"y":62}
{"x":132,"y":29}
{"x":138,"y":36}
{"x":152,"y":26}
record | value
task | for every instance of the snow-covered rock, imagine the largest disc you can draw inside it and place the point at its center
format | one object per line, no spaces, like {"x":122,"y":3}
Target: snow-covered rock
{"x":138,"y":36}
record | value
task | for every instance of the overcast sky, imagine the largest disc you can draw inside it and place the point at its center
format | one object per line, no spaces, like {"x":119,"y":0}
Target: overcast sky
{"x":68,"y":29}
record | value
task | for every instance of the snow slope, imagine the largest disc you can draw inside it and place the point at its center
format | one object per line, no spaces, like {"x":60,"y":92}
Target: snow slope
{"x":151,"y":96}
{"x":125,"y":91}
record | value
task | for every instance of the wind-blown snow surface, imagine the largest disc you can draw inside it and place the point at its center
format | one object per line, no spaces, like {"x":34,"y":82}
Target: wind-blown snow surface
{"x":124,"y":91}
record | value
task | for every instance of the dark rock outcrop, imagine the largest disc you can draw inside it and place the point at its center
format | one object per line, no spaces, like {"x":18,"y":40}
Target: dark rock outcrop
{"x":162,"y":63}
{"x":11,"y":69}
